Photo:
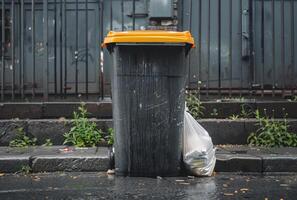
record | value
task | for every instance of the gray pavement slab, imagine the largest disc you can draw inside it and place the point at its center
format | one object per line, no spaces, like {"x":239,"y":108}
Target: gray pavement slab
{"x":102,"y":186}
{"x":55,"y":158}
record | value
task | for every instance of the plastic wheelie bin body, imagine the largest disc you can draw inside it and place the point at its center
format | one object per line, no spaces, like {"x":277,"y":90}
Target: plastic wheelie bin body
{"x":149,"y":75}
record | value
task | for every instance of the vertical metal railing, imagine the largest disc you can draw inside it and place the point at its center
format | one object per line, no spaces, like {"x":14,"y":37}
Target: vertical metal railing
{"x":133,"y":13}
{"x":219,"y":47}
{"x":45,"y":46}
{"x":230,"y":46}
{"x":262,"y":49}
{"x":273,"y":47}
{"x":208,"y":49}
{"x":3,"y":50}
{"x":22,"y":27}
{"x":33,"y":48}
{"x":122,"y":16}
{"x":283,"y":46}
{"x":55,"y":48}
{"x":76,"y":47}
{"x":240,"y":46}
{"x":64,"y":31}
{"x":61,"y":49}
{"x":87,"y":49}
{"x":199,"y":43}
{"x":12,"y":50}
{"x":293,"y":43}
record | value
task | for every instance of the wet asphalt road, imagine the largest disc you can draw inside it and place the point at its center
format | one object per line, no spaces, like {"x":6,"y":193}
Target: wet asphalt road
{"x":101,"y":186}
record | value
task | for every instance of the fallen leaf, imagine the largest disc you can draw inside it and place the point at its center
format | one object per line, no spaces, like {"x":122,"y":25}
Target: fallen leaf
{"x":184,"y":183}
{"x":2,"y":174}
{"x":61,"y":119}
{"x":244,"y":189}
{"x":36,"y":178}
{"x":228,"y":194}
{"x":235,"y":191}
{"x":284,"y":185}
{"x":225,"y":185}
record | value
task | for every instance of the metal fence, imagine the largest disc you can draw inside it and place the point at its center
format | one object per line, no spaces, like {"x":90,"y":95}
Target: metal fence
{"x":50,"y":49}
{"x":246,"y":46}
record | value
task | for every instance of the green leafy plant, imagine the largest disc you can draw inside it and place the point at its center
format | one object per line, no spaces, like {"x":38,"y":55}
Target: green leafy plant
{"x":22,"y":140}
{"x":110,"y":136}
{"x":48,"y":143}
{"x":272,"y":133}
{"x":245,"y":112}
{"x":25,"y":169}
{"x":293,"y":99}
{"x":234,"y":117}
{"x":195,"y":106}
{"x":214,"y":112}
{"x":83,"y":133}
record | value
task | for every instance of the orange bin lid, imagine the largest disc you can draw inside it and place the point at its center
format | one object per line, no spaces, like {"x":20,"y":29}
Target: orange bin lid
{"x":149,"y":37}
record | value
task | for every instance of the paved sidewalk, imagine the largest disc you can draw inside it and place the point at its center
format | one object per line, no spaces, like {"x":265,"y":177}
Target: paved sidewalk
{"x":101,"y":186}
{"x":230,"y":158}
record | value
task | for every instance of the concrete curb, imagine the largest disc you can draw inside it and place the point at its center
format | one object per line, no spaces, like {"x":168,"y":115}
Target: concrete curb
{"x":55,"y":158}
{"x":254,"y":159}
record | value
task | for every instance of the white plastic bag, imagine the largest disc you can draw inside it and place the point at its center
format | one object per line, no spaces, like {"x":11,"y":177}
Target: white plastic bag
{"x":198,"y":151}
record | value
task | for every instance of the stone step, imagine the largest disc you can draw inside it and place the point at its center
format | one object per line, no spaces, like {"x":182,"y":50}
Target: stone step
{"x":51,"y":110}
{"x":43,"y":129}
{"x":222,"y":131}
{"x":55,"y":158}
{"x":103,"y":109}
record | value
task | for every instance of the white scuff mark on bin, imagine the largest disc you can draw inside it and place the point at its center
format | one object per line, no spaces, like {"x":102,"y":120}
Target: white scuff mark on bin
{"x":140,"y":105}
{"x":157,"y":105}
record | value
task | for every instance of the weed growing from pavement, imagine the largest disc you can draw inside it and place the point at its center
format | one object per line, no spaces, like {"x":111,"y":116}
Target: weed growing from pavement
{"x":48,"y":142}
{"x":83,"y":133}
{"x":272,"y":133}
{"x":110,"y":136}
{"x":214,"y":112}
{"x":194,"y":105}
{"x":22,"y":140}
{"x":234,"y":117}
{"x":25,"y":169}
{"x":245,"y":113}
{"x":293,"y":99}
